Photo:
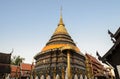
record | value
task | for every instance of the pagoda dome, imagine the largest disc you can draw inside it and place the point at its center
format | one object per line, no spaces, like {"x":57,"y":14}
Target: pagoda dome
{"x":60,"y":39}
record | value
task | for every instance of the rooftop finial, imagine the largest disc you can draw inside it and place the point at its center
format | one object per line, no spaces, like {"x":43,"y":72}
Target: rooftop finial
{"x":61,"y":20}
{"x":61,"y":11}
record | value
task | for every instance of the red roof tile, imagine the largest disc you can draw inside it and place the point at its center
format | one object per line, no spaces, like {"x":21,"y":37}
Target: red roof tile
{"x":15,"y":71}
{"x":26,"y":67}
{"x":97,"y":67}
{"x":15,"y":68}
{"x":25,"y":70}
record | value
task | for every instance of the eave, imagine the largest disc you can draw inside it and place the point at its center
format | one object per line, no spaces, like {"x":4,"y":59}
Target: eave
{"x":117,"y":33}
{"x":110,"y":52}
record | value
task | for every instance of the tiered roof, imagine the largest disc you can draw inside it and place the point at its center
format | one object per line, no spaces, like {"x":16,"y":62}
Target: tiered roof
{"x":114,"y":48}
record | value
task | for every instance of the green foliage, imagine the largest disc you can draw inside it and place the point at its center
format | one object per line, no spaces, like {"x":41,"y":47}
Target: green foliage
{"x":16,"y":60}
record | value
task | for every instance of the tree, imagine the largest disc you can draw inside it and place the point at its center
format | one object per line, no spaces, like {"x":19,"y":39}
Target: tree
{"x":16,"y":60}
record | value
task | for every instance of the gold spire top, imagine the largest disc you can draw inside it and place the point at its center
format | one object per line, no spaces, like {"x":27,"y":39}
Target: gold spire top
{"x":61,"y":20}
{"x":61,"y":27}
{"x":61,"y":38}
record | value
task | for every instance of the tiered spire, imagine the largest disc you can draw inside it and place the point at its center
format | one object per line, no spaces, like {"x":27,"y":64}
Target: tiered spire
{"x":60,"y":38}
{"x":61,"y":20}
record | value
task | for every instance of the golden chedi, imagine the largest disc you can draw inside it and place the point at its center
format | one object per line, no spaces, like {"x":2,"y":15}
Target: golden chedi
{"x":60,"y":57}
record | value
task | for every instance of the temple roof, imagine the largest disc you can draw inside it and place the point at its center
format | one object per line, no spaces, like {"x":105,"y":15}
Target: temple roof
{"x":113,"y":50}
{"x":117,"y":34}
{"x":60,"y":39}
{"x":93,"y":59}
{"x":96,"y":67}
{"x":26,"y":67}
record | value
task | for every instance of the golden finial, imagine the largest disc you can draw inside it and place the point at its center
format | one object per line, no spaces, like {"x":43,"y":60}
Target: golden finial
{"x":61,"y":27}
{"x":61,"y":12}
{"x":61,"y":20}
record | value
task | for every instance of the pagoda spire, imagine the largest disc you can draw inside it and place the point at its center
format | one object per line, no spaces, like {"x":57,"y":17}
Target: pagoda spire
{"x":61,"y":19}
{"x":60,"y":37}
{"x":61,"y":27}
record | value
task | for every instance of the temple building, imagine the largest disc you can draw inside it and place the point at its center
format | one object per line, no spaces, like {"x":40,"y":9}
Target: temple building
{"x":4,"y":64}
{"x":112,"y":57}
{"x":23,"y":71}
{"x":60,"y":58}
{"x":15,"y":71}
{"x":95,"y":69}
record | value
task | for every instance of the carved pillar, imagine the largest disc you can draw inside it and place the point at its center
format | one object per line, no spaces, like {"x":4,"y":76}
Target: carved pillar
{"x":68,"y":65}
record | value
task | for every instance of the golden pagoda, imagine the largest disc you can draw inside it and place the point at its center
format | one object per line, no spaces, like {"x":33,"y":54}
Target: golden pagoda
{"x":60,"y":58}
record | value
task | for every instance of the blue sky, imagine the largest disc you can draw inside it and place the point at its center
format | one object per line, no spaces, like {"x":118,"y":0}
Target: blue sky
{"x":27,"y":25}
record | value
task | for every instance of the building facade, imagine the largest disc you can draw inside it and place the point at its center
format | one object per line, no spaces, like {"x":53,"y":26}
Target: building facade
{"x":60,"y":58}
